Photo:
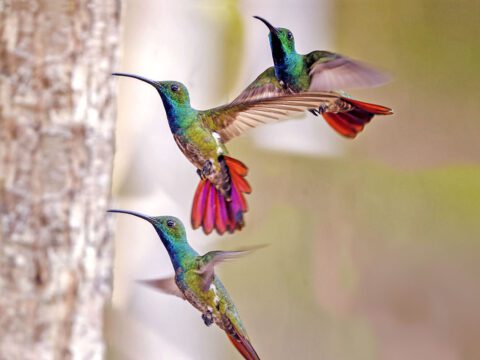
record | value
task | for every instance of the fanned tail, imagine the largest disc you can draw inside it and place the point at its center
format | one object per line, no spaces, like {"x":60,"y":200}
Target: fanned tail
{"x":350,"y":123}
{"x":243,"y":346}
{"x":212,"y":210}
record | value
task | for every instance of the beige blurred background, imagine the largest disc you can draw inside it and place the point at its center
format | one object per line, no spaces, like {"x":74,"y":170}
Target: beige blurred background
{"x":374,"y":242}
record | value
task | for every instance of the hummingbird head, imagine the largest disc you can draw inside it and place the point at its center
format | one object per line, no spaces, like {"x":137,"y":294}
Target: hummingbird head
{"x":282,"y":42}
{"x":169,"y":228}
{"x":174,"y":93}
{"x":174,"y":96}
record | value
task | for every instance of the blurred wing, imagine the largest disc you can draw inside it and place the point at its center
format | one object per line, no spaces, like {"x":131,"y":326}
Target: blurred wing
{"x":329,"y":71}
{"x":165,"y":285}
{"x":208,"y":262}
{"x":264,"y":86}
{"x":234,"y":119}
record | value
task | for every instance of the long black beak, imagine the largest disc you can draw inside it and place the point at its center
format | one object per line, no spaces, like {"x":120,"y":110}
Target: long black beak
{"x":141,"y":216}
{"x":272,"y":28}
{"x":148,"y":81}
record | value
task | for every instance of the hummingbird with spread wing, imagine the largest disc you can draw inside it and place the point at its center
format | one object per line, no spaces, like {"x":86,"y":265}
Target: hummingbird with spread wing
{"x":196,"y":282}
{"x":219,"y":202}
{"x":317,"y":71}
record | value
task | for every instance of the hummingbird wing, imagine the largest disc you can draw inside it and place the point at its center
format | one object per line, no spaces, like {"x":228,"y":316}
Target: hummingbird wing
{"x":264,"y":86}
{"x":207,"y":262}
{"x":234,"y":119}
{"x":165,"y":285}
{"x":330,"y":71}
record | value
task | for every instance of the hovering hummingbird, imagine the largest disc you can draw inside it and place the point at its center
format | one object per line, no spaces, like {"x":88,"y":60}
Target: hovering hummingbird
{"x":317,"y":71}
{"x":196,"y":282}
{"x":219,"y":201}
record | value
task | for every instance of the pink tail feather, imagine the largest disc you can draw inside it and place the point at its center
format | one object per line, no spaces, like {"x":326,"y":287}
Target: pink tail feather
{"x":211,"y":210}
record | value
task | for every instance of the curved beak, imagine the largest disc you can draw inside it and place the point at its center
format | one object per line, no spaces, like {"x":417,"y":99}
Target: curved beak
{"x":141,"y":78}
{"x":141,"y":216}
{"x":272,"y":28}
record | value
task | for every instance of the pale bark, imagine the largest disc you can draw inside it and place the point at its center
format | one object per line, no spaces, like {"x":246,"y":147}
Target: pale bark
{"x":56,"y":148}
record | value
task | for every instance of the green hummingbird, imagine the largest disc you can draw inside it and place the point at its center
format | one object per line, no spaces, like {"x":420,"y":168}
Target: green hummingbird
{"x":201,"y":135}
{"x":317,"y":71}
{"x":196,"y":282}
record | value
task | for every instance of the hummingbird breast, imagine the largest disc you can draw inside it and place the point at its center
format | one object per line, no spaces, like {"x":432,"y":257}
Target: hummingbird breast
{"x":211,"y":301}
{"x":293,"y":74}
{"x":205,"y":151}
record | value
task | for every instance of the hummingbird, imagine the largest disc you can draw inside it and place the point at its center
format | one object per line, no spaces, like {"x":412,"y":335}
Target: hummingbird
{"x":219,"y":202}
{"x":196,"y":282}
{"x":317,"y":71}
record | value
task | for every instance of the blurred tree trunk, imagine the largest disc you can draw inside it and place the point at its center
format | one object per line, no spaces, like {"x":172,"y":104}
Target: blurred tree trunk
{"x":56,"y":149}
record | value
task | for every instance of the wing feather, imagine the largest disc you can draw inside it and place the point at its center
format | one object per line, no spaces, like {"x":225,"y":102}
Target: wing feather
{"x":264,"y":86}
{"x":207,"y":262}
{"x":330,"y":71}
{"x":165,"y":285}
{"x":235,"y":118}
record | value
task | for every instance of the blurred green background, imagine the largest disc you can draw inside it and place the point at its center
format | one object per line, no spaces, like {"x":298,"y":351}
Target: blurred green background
{"x":374,"y":243}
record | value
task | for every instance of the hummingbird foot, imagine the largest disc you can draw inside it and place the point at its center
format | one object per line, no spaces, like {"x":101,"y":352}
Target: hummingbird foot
{"x":206,"y":170}
{"x":322,"y":109}
{"x":200,"y":175}
{"x":207,"y":318}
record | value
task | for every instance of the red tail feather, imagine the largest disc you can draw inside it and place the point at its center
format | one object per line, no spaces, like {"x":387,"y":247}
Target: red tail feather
{"x":236,"y":166}
{"x":212,"y":210}
{"x":372,"y":108}
{"x":244,"y":347}
{"x":199,"y":202}
{"x":350,"y":123}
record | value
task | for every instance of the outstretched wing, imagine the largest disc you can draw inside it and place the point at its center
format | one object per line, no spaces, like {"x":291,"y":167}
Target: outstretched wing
{"x":207,"y":262}
{"x":165,"y":285}
{"x":330,"y":71}
{"x":234,"y":119}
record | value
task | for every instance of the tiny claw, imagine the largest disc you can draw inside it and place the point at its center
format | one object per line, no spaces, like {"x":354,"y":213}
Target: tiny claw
{"x":205,"y":171}
{"x":207,"y":318}
{"x":322,"y":109}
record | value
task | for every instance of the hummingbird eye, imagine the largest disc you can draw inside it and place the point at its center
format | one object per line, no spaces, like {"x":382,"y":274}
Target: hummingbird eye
{"x":170,"y":223}
{"x":289,"y":35}
{"x":174,"y":87}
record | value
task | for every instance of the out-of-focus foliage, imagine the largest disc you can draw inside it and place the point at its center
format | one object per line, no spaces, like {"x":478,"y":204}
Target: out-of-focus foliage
{"x":227,"y":20}
{"x":431,"y":47}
